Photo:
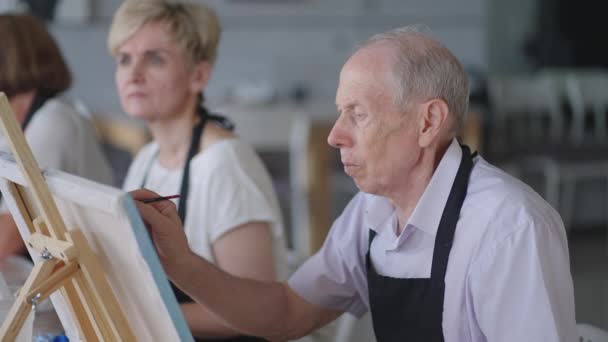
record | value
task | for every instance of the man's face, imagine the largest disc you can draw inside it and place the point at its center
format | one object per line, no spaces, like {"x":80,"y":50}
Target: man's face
{"x":376,"y":138}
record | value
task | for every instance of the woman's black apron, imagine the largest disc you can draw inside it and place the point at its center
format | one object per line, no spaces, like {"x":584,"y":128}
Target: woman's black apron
{"x":412,"y":309}
{"x":197,"y":133}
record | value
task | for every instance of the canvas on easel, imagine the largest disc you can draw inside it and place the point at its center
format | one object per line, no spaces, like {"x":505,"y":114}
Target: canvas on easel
{"x":92,"y":253}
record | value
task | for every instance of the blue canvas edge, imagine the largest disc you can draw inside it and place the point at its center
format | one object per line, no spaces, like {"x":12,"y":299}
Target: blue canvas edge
{"x":149,"y":254}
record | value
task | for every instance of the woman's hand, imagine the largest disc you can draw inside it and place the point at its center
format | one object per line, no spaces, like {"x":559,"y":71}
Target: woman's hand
{"x":165,"y":229}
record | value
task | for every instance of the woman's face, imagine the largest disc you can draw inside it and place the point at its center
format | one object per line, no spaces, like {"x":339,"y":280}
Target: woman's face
{"x":155,"y":78}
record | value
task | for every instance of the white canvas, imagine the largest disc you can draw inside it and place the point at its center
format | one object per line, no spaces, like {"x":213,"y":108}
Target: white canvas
{"x":115,"y":232}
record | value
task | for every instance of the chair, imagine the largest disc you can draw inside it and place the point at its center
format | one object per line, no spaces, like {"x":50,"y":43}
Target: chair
{"x":299,"y":180}
{"x":526,"y":110}
{"x":570,"y":154}
{"x":311,"y":165}
{"x":120,"y":140}
{"x":123,"y":134}
{"x":588,"y":91}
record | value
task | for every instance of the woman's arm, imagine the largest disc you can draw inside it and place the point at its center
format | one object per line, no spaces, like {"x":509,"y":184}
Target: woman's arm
{"x":245,"y":251}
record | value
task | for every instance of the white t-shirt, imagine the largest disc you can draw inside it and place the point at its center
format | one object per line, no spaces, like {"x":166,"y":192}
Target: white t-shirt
{"x":229,"y":186}
{"x":63,"y":139}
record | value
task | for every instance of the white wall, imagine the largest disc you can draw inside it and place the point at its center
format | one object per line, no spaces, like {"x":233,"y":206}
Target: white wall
{"x":288,"y":42}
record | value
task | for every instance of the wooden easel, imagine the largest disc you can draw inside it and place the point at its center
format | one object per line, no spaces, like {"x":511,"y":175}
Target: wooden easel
{"x":67,"y":262}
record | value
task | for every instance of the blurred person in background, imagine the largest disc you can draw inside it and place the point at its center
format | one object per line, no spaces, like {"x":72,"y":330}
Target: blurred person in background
{"x":33,"y":75}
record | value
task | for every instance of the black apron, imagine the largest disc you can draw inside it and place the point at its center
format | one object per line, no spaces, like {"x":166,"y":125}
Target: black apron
{"x":197,"y":133}
{"x":412,"y":309}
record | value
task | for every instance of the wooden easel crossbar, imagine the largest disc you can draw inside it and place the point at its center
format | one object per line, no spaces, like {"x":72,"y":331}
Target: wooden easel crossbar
{"x":67,"y":263}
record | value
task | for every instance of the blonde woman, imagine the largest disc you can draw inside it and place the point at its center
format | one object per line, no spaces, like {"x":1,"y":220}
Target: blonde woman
{"x":164,"y":54}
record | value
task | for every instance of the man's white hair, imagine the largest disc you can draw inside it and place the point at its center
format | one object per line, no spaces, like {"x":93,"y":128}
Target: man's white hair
{"x":425,"y":69}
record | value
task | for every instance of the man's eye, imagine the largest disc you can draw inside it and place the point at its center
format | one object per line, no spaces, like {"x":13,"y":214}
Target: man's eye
{"x":359,"y":116}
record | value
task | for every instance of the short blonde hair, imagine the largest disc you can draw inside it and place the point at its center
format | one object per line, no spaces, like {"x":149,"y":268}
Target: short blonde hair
{"x":193,"y":26}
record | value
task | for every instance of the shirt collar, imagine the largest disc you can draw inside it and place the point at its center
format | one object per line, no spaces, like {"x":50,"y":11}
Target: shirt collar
{"x":378,"y":210}
{"x":428,"y":211}
{"x":430,"y":206}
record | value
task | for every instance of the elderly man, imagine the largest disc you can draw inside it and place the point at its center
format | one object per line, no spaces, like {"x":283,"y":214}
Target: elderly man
{"x":438,"y":245}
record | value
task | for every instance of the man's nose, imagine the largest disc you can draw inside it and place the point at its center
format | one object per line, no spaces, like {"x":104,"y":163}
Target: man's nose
{"x":339,"y":136}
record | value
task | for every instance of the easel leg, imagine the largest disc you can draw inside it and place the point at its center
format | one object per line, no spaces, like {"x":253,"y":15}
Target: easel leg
{"x":89,"y":295}
{"x":21,"y":308}
{"x":108,"y":317}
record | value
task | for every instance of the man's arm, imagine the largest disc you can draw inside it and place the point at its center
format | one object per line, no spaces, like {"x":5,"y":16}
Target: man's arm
{"x":521,"y":288}
{"x":271,"y":310}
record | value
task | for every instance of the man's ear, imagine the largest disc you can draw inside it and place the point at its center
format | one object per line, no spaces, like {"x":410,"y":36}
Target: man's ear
{"x":433,"y":120}
{"x":199,"y":77}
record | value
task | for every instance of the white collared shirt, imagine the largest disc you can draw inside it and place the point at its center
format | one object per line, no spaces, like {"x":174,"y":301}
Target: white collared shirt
{"x":508,"y":276}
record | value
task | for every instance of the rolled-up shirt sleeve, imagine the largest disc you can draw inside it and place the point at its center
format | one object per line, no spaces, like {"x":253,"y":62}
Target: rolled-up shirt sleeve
{"x":335,"y":277}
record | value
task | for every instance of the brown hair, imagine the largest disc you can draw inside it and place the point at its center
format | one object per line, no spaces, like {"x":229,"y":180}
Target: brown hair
{"x":30,"y":58}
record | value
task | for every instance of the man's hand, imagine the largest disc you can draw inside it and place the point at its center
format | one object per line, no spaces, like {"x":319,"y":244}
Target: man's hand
{"x":165,"y":229}
{"x":260,"y":308}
